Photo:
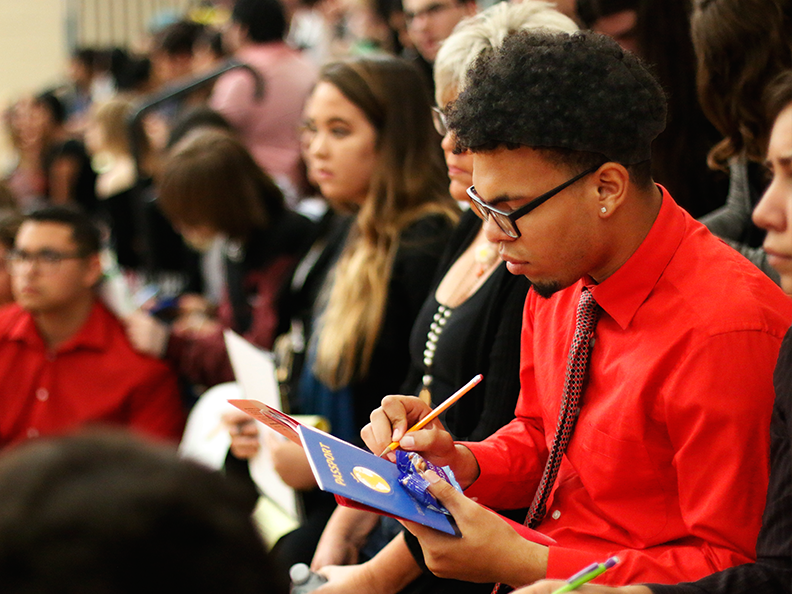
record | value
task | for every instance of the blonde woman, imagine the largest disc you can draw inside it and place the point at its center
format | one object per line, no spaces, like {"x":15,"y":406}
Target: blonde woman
{"x":372,"y":151}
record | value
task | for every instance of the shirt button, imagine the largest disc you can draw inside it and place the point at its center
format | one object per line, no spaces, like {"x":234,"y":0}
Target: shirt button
{"x":556,"y":514}
{"x":42,"y":394}
{"x":32,"y":432}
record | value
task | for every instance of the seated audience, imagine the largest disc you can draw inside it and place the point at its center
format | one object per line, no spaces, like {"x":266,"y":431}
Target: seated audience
{"x":106,"y":512}
{"x":268,"y":127}
{"x":772,"y":571}
{"x":65,"y":359}
{"x":371,"y":148}
{"x":658,"y":453}
{"x":471,"y":321}
{"x":211,"y":188}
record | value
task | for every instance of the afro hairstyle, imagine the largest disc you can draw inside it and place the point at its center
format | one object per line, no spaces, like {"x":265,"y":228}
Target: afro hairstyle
{"x":576,"y":92}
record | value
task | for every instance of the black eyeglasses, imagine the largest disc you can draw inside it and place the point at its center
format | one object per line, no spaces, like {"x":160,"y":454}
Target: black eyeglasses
{"x":507,"y":221}
{"x":47,"y":261}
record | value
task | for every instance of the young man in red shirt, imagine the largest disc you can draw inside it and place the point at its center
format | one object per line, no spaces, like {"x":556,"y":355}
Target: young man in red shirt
{"x":64,"y":358}
{"x":667,"y":463}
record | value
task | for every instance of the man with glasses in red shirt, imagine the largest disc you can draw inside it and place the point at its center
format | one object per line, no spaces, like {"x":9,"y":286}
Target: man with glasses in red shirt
{"x":65,"y":360}
{"x":647,"y":349}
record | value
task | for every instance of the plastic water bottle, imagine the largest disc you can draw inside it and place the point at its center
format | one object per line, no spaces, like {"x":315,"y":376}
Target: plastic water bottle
{"x":303,"y":580}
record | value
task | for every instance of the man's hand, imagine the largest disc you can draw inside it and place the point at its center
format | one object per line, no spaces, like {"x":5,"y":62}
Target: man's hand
{"x":489,"y":551}
{"x":397,"y":414}
{"x":550,"y":586}
{"x":391,"y":421}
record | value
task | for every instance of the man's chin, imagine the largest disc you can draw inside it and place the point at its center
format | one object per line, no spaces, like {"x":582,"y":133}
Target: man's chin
{"x":546,"y":289}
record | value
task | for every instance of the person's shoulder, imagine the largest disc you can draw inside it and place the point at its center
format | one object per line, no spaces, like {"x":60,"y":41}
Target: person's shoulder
{"x":722,"y":288}
{"x":120,"y":349}
{"x":272,"y":53}
{"x":429,"y":226}
{"x":290,"y":234}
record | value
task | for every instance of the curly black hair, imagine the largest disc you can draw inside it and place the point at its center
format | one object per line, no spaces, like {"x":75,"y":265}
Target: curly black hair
{"x":576,"y":92}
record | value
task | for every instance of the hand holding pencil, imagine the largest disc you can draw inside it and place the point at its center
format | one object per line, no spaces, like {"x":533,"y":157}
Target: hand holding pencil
{"x":441,"y":408}
{"x":397,"y":420}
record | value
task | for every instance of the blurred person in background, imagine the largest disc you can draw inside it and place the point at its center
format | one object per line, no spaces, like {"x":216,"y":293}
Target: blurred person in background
{"x":64,"y":357}
{"x":741,"y":46}
{"x":210,"y":189}
{"x":268,"y":127}
{"x":10,"y":219}
{"x":107,"y":512}
{"x":77,"y":96}
{"x":107,"y":138}
{"x":24,"y":176}
{"x":429,"y":22}
{"x":70,"y":179}
{"x":172,"y":51}
{"x":679,"y":154}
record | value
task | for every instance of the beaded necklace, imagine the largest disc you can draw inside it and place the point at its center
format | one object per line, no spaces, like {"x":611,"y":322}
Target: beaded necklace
{"x":484,"y":260}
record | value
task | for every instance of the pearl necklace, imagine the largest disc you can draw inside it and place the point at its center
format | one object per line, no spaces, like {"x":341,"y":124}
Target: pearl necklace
{"x":439,"y":320}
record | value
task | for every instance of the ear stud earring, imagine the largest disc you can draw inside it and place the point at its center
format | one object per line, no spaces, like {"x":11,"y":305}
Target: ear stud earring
{"x":603,"y":210}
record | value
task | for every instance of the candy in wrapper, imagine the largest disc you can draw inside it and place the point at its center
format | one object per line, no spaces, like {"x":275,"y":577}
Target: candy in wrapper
{"x":410,"y":466}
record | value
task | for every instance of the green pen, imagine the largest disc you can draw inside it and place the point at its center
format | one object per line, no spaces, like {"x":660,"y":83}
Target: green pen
{"x":586,"y":575}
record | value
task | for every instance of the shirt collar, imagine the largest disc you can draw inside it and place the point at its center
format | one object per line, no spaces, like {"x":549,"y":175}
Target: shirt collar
{"x":622,"y":293}
{"x":94,"y":334}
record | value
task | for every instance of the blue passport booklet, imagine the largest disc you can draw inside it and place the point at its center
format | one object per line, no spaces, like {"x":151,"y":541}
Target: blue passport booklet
{"x":360,"y":479}
{"x":355,"y":474}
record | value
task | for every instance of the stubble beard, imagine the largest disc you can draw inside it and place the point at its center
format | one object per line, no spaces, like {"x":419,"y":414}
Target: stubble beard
{"x":546,"y":290}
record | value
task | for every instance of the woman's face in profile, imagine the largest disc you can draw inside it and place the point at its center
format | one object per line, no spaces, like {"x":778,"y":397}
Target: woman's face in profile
{"x":460,"y":166}
{"x":339,"y":145}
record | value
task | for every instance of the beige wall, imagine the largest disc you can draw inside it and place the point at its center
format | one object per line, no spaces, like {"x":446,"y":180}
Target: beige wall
{"x":32,"y":44}
{"x":32,"y":49}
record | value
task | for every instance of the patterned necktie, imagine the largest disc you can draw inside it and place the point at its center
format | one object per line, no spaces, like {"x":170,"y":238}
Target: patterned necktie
{"x":577,"y":364}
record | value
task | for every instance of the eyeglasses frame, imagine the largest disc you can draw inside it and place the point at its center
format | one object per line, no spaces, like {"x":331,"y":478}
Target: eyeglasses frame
{"x":14,"y":258}
{"x":485,"y":210}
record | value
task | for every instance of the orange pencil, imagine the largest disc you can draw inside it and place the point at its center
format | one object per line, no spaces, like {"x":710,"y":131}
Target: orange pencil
{"x":437,"y":411}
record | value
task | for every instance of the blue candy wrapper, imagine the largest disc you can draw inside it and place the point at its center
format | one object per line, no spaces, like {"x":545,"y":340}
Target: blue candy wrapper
{"x":410,"y":466}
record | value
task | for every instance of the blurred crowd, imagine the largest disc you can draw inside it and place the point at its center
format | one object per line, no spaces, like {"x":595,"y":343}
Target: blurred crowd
{"x":284,"y":169}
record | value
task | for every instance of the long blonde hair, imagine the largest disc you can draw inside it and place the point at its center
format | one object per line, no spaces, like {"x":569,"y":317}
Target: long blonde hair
{"x":408,"y":183}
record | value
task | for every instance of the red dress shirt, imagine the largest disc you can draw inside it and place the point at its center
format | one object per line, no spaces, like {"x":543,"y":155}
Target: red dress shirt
{"x":668,"y":465}
{"x":94,"y":377}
